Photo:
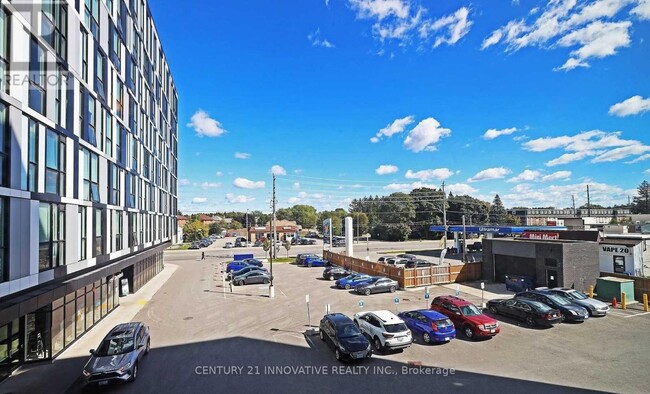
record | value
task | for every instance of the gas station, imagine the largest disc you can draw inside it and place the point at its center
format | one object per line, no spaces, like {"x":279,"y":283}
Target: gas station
{"x":531,"y":232}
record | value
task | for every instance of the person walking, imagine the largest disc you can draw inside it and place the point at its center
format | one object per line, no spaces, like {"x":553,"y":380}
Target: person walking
{"x":202,"y":255}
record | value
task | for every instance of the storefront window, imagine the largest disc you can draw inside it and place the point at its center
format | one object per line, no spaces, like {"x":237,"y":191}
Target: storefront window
{"x":116,"y":292}
{"x":89,"y":307}
{"x":104,"y":297}
{"x":57,"y":329}
{"x":97,"y":290}
{"x":70,"y":316}
{"x":37,"y":334}
{"x":110,"y":294}
{"x":81,"y":314}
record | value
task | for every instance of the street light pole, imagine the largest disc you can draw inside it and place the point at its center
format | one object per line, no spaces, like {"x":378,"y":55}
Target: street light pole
{"x":248,"y":230}
{"x":444,"y":213}
{"x":464,"y":241}
{"x":271,"y":288}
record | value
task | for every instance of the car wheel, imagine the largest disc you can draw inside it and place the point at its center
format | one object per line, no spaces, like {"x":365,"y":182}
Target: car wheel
{"x":266,"y":281}
{"x":146,"y":350}
{"x":530,"y":321}
{"x":309,"y":265}
{"x":134,"y":373}
{"x":337,"y":354}
{"x":331,"y":277}
{"x":493,"y":310}
{"x":240,"y":283}
{"x":469,"y":332}
{"x":378,"y":345}
{"x":426,"y":338}
{"x":347,"y":287}
{"x":367,"y":292}
{"x":322,"y":336}
{"x":392,"y":289}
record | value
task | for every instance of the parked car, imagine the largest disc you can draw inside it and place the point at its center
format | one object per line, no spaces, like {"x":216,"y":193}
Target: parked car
{"x":571,"y":311}
{"x":117,"y":358}
{"x":301,"y":257}
{"x":352,"y":281}
{"x":593,"y":306}
{"x":519,"y":283}
{"x":418,"y":264}
{"x":397,"y":261}
{"x":252,"y":277}
{"x":305,"y":241}
{"x":228,"y":245}
{"x":533,"y":313}
{"x":407,"y":256}
{"x":377,"y":284}
{"x":315,"y":262}
{"x":475,"y":247}
{"x":429,"y":325}
{"x":239,"y":264}
{"x":194,"y":246}
{"x":382,"y":259}
{"x":466,"y":317}
{"x":386,"y":330}
{"x":258,"y":243}
{"x":338,"y":242}
{"x":245,"y":270}
{"x":334,"y":272}
{"x":312,"y":234}
{"x":344,"y":337}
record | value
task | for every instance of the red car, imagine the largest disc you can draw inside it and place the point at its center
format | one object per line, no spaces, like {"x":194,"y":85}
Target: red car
{"x":466,"y":317}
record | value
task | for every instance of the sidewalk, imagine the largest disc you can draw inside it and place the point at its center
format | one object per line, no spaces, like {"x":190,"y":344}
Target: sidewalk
{"x":61,"y":373}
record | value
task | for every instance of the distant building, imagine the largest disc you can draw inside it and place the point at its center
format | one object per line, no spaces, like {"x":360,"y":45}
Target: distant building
{"x":283,"y":228}
{"x":593,"y":218}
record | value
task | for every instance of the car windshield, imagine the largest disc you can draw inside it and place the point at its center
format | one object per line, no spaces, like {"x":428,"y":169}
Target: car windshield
{"x":347,"y":331}
{"x":443,"y":323}
{"x":470,"y":310}
{"x":113,"y":346}
{"x":372,"y":280}
{"x":397,"y":327}
{"x":577,"y":295}
{"x":540,"y":306}
{"x":559,"y":300}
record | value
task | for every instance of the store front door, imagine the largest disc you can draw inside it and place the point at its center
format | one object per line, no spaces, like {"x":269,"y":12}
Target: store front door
{"x":10,"y":348}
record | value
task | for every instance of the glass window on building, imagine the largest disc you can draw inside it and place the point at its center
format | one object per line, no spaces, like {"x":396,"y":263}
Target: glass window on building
{"x":54,"y":27}
{"x":115,"y":183}
{"x":100,"y":73}
{"x":89,"y":125}
{"x":58,"y":324}
{"x":89,"y":307}
{"x":4,"y":261}
{"x":84,"y":54}
{"x":104,"y":297}
{"x":109,"y":296}
{"x":5,"y":143}
{"x":80,"y":313}
{"x":108,"y":146}
{"x":55,"y":163}
{"x":37,"y":334}
{"x":91,"y":177}
{"x":51,"y":236}
{"x":4,"y":48}
{"x":32,"y":171}
{"x":118,"y":229}
{"x":83,"y":233}
{"x":10,"y":343}
{"x":91,"y":14}
{"x":37,"y":77}
{"x":98,"y":232}
{"x":70,"y":318}
{"x":97,"y":290}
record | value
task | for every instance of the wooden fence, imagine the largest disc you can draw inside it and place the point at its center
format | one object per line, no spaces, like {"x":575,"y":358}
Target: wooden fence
{"x":641,"y":285}
{"x":411,"y":277}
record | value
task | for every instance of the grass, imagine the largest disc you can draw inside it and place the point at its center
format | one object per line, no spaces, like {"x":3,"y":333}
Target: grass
{"x":284,"y":260}
{"x":180,"y":247}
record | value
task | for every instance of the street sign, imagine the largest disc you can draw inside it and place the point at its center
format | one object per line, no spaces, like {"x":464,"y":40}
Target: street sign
{"x":426,"y":296}
{"x":482,"y":285}
{"x":327,"y":309}
{"x":361,"y":303}
{"x":307,"y":298}
{"x":396,"y":300}
{"x":457,"y":290}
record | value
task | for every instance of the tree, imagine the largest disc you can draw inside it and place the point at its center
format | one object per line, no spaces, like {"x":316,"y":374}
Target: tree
{"x":287,"y":246}
{"x":305,"y":215}
{"x":217,"y":227}
{"x":360,"y":222}
{"x":194,"y":229}
{"x":641,"y":202}
{"x":395,"y":214}
{"x":428,"y":209}
{"x":513,"y":220}
{"x":284,"y":214}
{"x":235,"y":225}
{"x":497,"y":213}
{"x":266,"y":245}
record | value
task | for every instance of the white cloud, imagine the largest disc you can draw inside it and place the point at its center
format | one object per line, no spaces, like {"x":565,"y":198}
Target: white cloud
{"x":219,"y":173}
{"x":386,"y":169}
{"x":556,"y":176}
{"x":204,"y":125}
{"x":293,"y":200}
{"x":317,"y":41}
{"x":494,"y":133}
{"x":327,"y":3}
{"x":560,"y":195}
{"x":632,"y":106}
{"x":397,"y":126}
{"x":526,"y":175}
{"x":183,"y":182}
{"x":426,"y":175}
{"x":296,"y":186}
{"x":380,"y":9}
{"x":244,"y":183}
{"x":638,"y":159}
{"x":199,"y":200}
{"x":239,"y":199}
{"x":278,"y":170}
{"x":460,"y":189}
{"x":423,"y":136}
{"x":455,"y":27}
{"x":570,"y":157}
{"x":242,"y":156}
{"x":407,"y":187}
{"x":647,"y":172}
{"x":592,"y":29}
{"x":642,"y":10}
{"x":211,"y":185}
{"x":621,"y":153}
{"x":490,"y":173}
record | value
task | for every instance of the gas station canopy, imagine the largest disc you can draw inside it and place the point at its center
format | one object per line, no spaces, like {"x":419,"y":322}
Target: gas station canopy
{"x":495,"y":229}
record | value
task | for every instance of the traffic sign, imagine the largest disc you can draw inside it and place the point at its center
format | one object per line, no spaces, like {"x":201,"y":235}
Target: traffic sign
{"x":396,"y":300}
{"x":426,"y":296}
{"x":361,"y":303}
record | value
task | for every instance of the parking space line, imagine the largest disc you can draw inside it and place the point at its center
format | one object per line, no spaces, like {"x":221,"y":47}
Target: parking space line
{"x":637,"y":314}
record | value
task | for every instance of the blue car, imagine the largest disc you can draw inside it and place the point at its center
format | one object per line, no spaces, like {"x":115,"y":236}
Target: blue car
{"x":352,"y":281}
{"x":429,"y":326}
{"x":315,"y":262}
{"x":237,"y":265}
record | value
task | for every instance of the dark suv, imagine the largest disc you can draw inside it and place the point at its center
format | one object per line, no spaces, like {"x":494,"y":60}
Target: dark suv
{"x":466,"y":317}
{"x":117,"y":357}
{"x":342,"y":335}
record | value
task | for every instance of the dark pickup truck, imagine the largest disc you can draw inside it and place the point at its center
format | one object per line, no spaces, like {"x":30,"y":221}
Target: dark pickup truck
{"x":475,"y":247}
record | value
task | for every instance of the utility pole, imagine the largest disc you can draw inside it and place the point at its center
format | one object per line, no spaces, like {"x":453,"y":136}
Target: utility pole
{"x":588,"y":203}
{"x":248,"y":230}
{"x":444,"y":212}
{"x":271,"y":288}
{"x":573,"y":200}
{"x":464,"y":242}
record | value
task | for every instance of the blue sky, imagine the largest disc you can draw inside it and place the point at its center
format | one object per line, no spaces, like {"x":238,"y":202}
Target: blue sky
{"x":529,"y":99}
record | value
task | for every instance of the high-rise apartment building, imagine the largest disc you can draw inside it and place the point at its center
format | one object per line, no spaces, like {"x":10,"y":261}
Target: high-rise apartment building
{"x":88,"y":167}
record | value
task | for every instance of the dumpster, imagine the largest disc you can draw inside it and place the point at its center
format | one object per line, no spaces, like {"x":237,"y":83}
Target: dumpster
{"x":518,"y":283}
{"x":609,"y":287}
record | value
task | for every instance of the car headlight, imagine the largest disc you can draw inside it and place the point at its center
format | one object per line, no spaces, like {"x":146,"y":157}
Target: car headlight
{"x":497,"y":324}
{"x":86,"y":373}
{"x":481,"y":327}
{"x":125,"y":367}
{"x":573,"y":312}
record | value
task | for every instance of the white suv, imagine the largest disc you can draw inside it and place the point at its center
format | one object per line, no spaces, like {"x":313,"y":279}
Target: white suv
{"x":384,"y":329}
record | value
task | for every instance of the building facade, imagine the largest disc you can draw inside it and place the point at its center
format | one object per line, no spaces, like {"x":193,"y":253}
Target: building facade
{"x":88,"y":167}
{"x":556,"y":216}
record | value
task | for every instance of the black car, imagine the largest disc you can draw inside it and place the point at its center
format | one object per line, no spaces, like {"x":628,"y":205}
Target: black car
{"x":334,"y":272}
{"x":571,"y":312}
{"x":377,"y":284}
{"x":342,"y":335}
{"x":534,"y":313}
{"x":418,"y":264}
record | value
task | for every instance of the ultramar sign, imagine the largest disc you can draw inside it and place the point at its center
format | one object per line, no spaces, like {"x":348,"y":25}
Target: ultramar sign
{"x":616,"y":249}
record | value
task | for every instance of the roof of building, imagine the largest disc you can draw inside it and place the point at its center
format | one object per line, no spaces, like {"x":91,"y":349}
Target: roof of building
{"x":181,"y":217}
{"x":205,"y":218}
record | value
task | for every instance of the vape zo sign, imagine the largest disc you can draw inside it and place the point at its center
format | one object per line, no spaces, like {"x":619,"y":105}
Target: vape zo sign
{"x":616,"y":249}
